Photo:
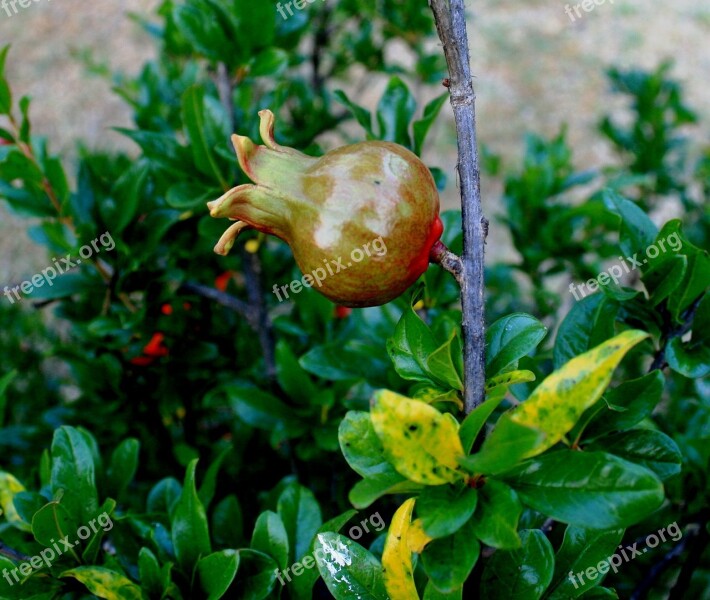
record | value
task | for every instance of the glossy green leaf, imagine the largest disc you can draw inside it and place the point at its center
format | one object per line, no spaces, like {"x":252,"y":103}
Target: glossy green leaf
{"x":651,"y":449}
{"x":627,"y":404}
{"x":348,"y":569}
{"x":449,"y":561}
{"x":509,"y":339}
{"x":421,"y":127}
{"x":270,"y":537}
{"x":665,"y":277}
{"x":521,"y":574}
{"x":589,"y":489}
{"x":257,"y":408}
{"x":256,"y":576}
{"x":589,"y":323}
{"x":444,"y":509}
{"x":394,"y":112}
{"x":582,"y":549}
{"x":362,"y":115}
{"x":216,"y":572}
{"x":366,"y":491}
{"x":123,"y":466}
{"x":291,"y":376}
{"x":193,"y":114}
{"x":496,"y":518}
{"x":410,"y":347}
{"x":73,"y":474}
{"x":637,"y":232}
{"x":300,"y":513}
{"x":149,"y":572}
{"x":360,"y":445}
{"x":476,"y":419}
{"x":190,"y":533}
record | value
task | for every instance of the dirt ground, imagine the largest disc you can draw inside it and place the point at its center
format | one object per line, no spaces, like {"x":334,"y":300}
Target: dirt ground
{"x":535,"y":69}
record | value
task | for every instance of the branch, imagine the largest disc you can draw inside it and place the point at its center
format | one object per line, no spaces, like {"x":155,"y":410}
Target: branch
{"x":256,"y":309}
{"x":451,"y":27}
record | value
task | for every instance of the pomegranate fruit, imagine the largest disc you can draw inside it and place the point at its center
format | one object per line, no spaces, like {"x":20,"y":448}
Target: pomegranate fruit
{"x":361,"y":220}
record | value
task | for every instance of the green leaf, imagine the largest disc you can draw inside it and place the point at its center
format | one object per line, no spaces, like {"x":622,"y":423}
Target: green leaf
{"x":394,"y":112}
{"x":291,"y":376}
{"x":5,"y":382}
{"x":164,"y":496}
{"x":73,"y":474}
{"x":149,"y":573}
{"x":497,"y":514}
{"x":507,"y":445}
{"x":431,"y":593}
{"x":301,"y":515}
{"x":692,"y":358}
{"x":348,"y":569}
{"x":190,"y":532}
{"x":5,"y":93}
{"x":637,"y":232}
{"x":257,"y":408}
{"x":474,"y":422}
{"x":188,"y":195}
{"x":193,"y":114}
{"x":410,"y":348}
{"x":589,"y":489}
{"x":366,"y":491}
{"x":664,"y":277}
{"x":302,"y":586}
{"x":588,"y":324}
{"x":209,"y":483}
{"x":627,"y":404}
{"x":449,"y":561}
{"x":120,"y":208}
{"x":216,"y":572}
{"x":256,"y":577}
{"x":521,"y":574}
{"x":509,"y":339}
{"x":581,"y":549}
{"x":270,"y":537}
{"x":421,"y":127}
{"x":419,"y":441}
{"x":360,"y":445}
{"x":270,"y":62}
{"x":227,"y":527}
{"x":105,"y":583}
{"x":441,"y":363}
{"x":444,"y":509}
{"x":362,"y":115}
{"x":651,"y":449}
{"x":123,"y":466}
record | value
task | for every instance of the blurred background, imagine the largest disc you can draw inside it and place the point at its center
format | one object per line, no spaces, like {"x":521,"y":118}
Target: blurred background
{"x":535,"y":70}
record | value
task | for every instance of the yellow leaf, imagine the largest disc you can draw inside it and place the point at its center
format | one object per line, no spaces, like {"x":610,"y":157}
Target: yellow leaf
{"x":417,"y":539}
{"x":9,"y":488}
{"x":421,"y":443}
{"x":397,"y":557}
{"x":558,"y":402}
{"x":509,"y":378}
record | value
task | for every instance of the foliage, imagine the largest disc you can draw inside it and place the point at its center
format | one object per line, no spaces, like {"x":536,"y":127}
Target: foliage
{"x":218,"y":440}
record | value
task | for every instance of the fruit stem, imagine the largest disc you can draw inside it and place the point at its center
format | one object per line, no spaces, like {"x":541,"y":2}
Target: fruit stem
{"x":447,"y":260}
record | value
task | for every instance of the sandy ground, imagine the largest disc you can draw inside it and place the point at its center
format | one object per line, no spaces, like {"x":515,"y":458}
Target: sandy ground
{"x":535,"y":69}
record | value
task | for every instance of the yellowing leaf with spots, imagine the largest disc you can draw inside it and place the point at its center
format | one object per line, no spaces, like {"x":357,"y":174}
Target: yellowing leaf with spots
{"x":558,"y":402}
{"x":397,"y":557}
{"x":105,"y":583}
{"x":9,"y":488}
{"x":420,"y":442}
{"x":417,"y":538}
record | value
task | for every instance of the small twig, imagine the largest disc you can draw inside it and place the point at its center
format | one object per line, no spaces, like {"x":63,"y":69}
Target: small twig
{"x":222,"y":298}
{"x":450,"y":20}
{"x":659,"y":361}
{"x":12,"y":554}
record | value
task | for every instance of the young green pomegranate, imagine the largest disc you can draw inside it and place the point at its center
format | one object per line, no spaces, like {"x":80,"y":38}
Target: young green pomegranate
{"x":360,"y":220}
